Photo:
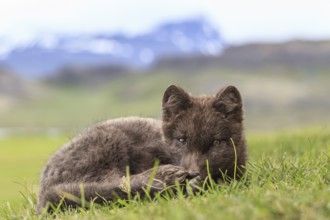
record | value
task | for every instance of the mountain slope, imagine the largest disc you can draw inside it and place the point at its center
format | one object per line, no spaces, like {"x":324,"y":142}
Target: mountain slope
{"x":51,"y":52}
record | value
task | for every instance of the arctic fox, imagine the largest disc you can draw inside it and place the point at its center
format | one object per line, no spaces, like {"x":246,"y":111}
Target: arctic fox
{"x":193,"y":130}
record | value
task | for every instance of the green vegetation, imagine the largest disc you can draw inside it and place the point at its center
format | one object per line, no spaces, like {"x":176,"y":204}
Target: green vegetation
{"x":21,"y":160}
{"x":296,"y":98}
{"x":289,"y":178}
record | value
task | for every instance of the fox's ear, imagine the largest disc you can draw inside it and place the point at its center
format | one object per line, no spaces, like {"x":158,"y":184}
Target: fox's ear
{"x":229,"y":102}
{"x":175,"y":100}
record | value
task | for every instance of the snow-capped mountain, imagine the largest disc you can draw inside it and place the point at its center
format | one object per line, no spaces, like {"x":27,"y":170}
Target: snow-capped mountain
{"x":44,"y":55}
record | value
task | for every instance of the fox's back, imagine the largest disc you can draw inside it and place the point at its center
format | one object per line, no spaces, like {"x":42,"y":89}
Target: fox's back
{"x":104,"y":150}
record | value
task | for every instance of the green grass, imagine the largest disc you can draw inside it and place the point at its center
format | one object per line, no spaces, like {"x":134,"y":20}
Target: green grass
{"x":289,"y":178}
{"x":268,"y":95}
{"x":21,"y":159}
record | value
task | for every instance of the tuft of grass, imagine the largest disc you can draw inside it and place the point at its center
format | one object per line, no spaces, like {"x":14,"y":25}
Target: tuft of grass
{"x":287,"y":178}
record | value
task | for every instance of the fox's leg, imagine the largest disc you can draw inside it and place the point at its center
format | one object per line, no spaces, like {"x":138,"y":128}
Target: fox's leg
{"x":71,"y":194}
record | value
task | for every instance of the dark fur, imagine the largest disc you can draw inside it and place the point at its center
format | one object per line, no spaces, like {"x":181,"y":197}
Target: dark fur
{"x":193,"y":130}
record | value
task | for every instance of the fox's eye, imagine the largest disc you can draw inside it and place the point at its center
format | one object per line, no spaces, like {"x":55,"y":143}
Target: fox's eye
{"x":216,"y":142}
{"x":182,"y":140}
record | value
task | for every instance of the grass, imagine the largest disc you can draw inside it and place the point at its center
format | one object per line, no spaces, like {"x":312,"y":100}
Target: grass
{"x":267,"y":94}
{"x":289,"y":178}
{"x":21,"y":159}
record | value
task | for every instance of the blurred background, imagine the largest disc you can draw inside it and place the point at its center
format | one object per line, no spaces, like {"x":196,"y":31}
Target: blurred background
{"x":67,"y":64}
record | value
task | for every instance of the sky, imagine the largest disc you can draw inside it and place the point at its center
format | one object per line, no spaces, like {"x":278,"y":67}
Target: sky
{"x":239,"y":21}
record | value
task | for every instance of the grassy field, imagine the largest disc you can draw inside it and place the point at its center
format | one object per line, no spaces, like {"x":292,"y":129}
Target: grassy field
{"x":294,"y":98}
{"x":289,"y":178}
{"x":21,"y":159}
{"x":289,"y":169}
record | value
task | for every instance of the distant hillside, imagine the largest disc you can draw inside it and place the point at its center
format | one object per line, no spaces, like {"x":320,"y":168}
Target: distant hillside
{"x":12,"y":89}
{"x":290,"y":54}
{"x":87,"y":75}
{"x":293,"y":54}
{"x":305,"y":56}
{"x":11,"y":85}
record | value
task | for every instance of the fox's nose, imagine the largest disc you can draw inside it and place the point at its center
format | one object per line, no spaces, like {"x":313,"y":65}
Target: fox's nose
{"x":192,"y":174}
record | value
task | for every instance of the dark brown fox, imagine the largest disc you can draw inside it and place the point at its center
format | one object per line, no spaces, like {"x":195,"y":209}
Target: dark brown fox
{"x":193,"y":130}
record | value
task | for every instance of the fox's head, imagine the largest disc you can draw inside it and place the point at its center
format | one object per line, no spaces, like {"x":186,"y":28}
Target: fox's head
{"x":200,"y":129}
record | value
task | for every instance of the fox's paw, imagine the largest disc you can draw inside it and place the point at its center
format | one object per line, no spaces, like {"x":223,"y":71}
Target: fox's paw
{"x":168,"y":175}
{"x":194,"y":185}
